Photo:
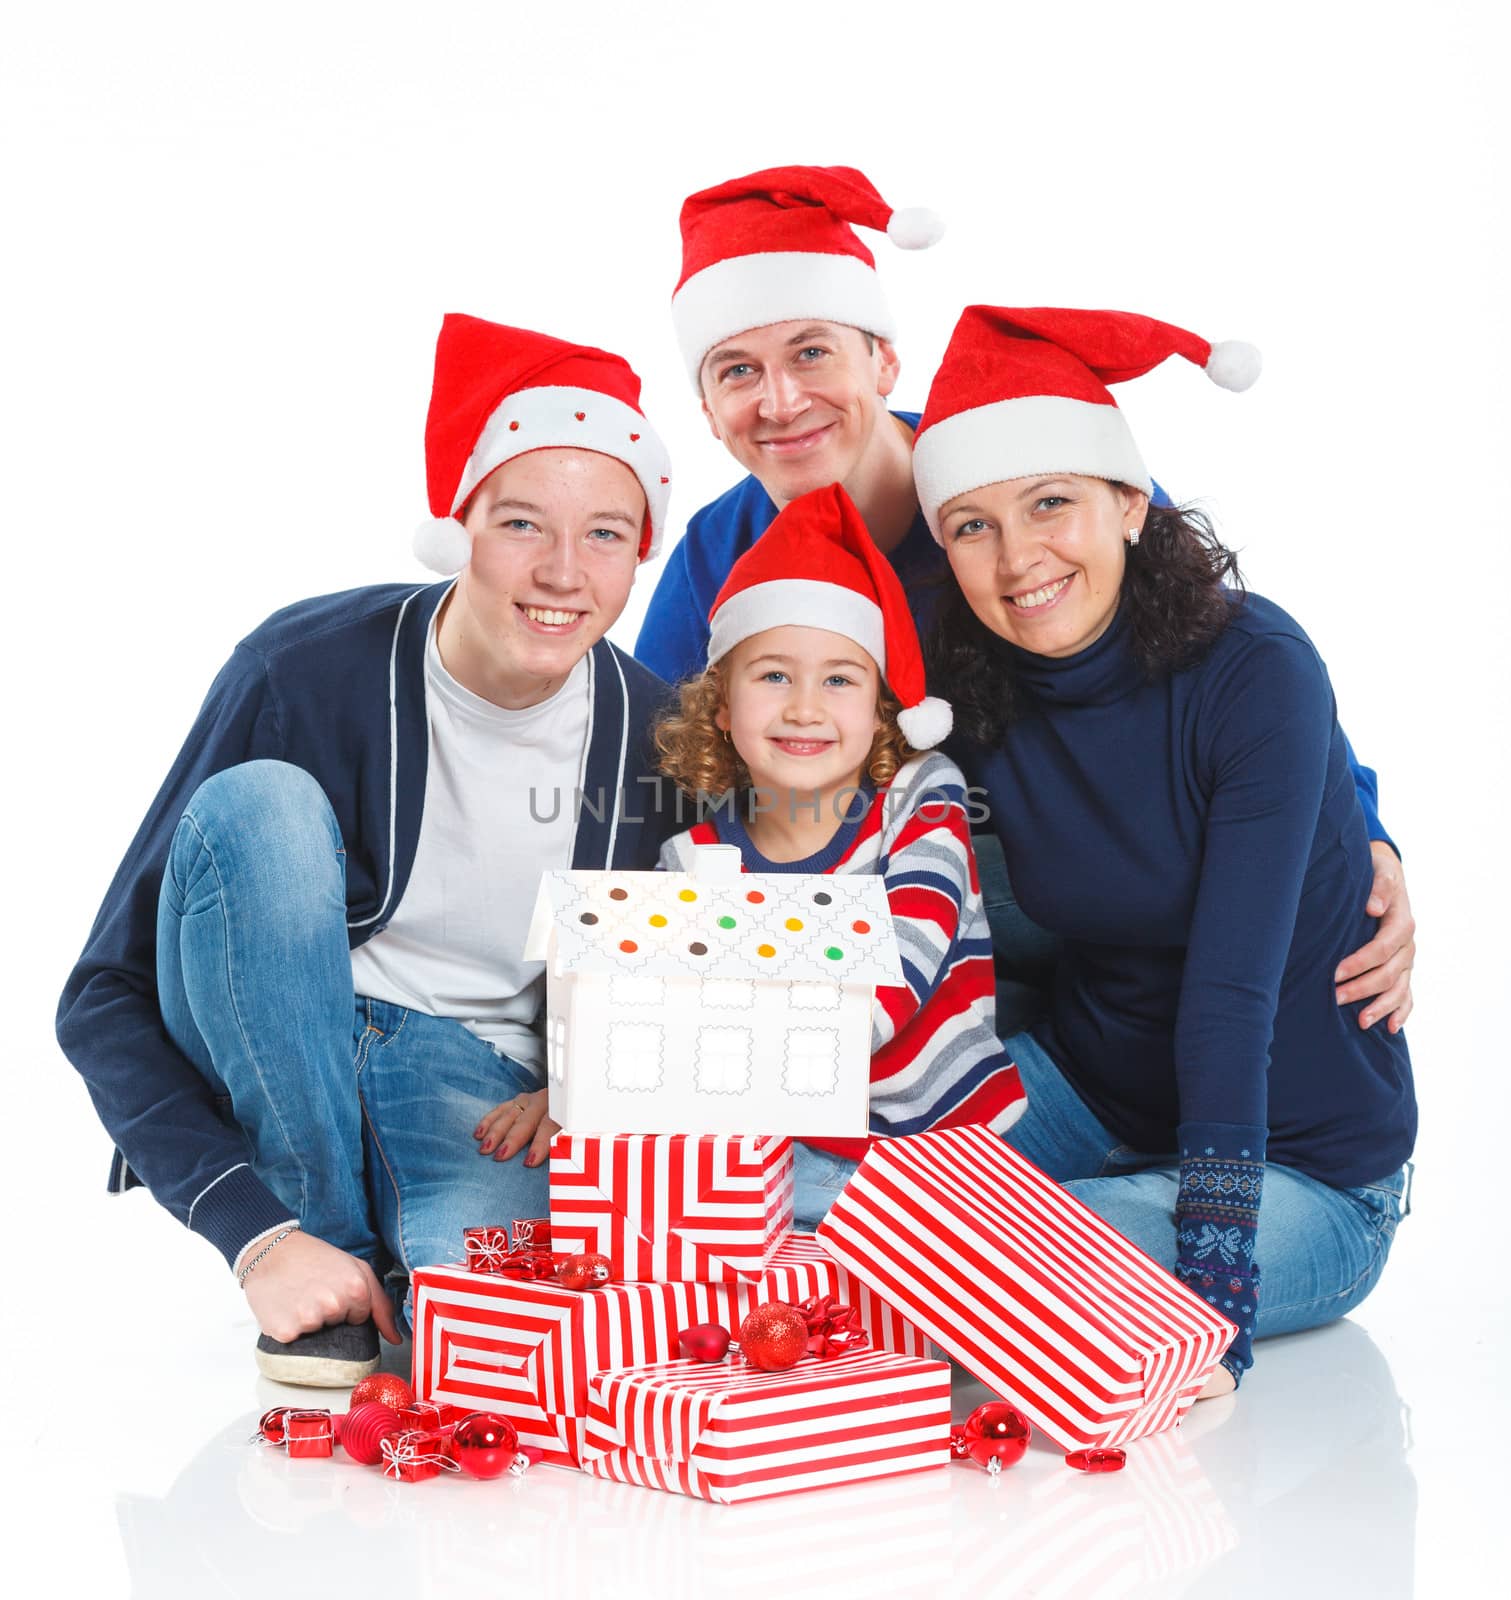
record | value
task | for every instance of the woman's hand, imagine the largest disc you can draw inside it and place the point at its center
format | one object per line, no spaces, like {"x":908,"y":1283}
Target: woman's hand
{"x":1380,"y":972}
{"x":522,"y":1121}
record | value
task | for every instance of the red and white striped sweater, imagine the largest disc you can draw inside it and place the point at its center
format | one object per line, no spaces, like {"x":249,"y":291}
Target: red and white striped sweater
{"x":936,"y":1060}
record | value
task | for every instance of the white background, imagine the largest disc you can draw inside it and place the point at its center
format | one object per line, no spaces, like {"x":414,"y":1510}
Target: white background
{"x":229,"y":238}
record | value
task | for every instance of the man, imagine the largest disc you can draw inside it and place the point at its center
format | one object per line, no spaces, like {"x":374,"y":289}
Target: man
{"x":787,"y":338}
{"x":302,"y":1012}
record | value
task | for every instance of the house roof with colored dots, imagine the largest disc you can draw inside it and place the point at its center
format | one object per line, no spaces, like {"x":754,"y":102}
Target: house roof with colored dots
{"x":786,"y":927}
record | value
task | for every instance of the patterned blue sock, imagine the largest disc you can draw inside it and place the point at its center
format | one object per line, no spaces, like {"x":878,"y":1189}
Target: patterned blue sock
{"x":1216,"y":1219}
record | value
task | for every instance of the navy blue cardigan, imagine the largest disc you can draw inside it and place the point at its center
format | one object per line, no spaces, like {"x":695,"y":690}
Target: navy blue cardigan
{"x":335,"y":685}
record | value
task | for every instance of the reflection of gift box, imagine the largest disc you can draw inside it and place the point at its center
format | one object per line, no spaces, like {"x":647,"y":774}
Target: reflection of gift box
{"x":730,"y":1433}
{"x":673,"y":1207}
{"x":1047,"y":1304}
{"x":529,"y":1349}
{"x":308,"y":1434}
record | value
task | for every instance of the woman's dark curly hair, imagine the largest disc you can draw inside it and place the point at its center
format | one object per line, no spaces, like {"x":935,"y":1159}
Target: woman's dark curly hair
{"x":1177,"y":595}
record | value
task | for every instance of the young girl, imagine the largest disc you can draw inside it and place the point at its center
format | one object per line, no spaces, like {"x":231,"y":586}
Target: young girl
{"x":807,"y":727}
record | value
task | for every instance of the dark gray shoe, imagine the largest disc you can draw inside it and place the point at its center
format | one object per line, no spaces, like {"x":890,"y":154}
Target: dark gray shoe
{"x":330,"y":1358}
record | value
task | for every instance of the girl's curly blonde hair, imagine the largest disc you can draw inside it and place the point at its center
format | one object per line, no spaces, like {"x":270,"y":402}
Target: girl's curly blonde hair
{"x":699,"y":757}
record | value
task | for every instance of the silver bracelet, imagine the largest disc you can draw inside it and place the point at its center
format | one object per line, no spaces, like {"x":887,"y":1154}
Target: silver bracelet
{"x":267,"y":1250}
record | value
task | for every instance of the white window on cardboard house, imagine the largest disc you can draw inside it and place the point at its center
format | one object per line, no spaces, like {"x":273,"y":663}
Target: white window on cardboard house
{"x":811,"y":1061}
{"x":723,"y":1061}
{"x":635,"y":1055}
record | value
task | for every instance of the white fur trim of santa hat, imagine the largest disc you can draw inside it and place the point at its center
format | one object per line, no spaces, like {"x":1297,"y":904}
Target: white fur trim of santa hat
{"x":1040,"y":434}
{"x":804,"y":603}
{"x":753,"y":291}
{"x":926,"y":724}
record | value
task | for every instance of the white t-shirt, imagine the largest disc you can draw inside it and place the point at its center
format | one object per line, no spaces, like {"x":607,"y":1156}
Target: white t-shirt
{"x":501,"y":797}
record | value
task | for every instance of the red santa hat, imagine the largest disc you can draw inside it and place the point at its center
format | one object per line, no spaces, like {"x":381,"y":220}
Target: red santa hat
{"x":778,"y":245}
{"x":1023,"y":391}
{"x":816,"y":566}
{"x":501,"y":392}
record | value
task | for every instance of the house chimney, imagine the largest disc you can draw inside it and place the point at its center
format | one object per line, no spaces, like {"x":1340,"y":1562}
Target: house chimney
{"x":716,"y":863}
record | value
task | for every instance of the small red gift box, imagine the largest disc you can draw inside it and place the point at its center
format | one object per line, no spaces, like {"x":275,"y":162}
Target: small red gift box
{"x":487,"y":1248}
{"x":415,"y":1455}
{"x":730,"y":1432}
{"x":426,"y":1416}
{"x":308,"y":1434}
{"x":532,"y":1233}
{"x":1050,"y":1306}
{"x":673,"y":1207}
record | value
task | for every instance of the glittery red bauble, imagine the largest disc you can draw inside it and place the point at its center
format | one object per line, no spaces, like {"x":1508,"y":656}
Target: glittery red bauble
{"x":484,"y":1444}
{"x":774,"y":1336}
{"x":365,"y":1427}
{"x":271,"y":1425}
{"x":997,"y":1435}
{"x":706,"y":1342}
{"x":385,"y":1387}
{"x":586,"y":1270}
{"x":1106,"y":1459}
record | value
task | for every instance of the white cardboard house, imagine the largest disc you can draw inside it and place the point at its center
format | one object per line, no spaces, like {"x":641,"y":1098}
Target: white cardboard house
{"x":714,"y":1001}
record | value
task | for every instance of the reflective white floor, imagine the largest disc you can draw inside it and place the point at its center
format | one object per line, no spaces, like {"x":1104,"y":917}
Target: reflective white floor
{"x":1358,"y":1460}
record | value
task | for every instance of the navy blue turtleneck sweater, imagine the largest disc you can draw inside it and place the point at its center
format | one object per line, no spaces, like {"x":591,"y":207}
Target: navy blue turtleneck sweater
{"x":1198,"y":844}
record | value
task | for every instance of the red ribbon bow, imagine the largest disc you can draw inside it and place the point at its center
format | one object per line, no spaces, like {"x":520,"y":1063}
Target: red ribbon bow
{"x":833,"y":1329}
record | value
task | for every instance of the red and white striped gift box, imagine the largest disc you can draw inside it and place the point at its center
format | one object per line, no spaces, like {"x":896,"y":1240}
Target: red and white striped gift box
{"x":1047,"y":1304}
{"x":673,"y":1208}
{"x":730,"y":1432}
{"x":529,"y":1348}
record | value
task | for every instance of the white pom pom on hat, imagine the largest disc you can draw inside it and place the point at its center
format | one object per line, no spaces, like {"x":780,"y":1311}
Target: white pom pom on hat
{"x":443,"y":545}
{"x":915,"y":228}
{"x":928,"y":723}
{"x":1234,"y":365}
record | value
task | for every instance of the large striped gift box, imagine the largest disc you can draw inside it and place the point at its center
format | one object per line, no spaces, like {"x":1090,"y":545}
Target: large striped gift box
{"x":673,"y":1207}
{"x":530,"y":1348}
{"x":731,"y":1432}
{"x":1047,"y":1304}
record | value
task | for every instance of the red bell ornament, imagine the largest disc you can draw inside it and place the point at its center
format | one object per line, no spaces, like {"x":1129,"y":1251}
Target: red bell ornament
{"x":774,"y":1336}
{"x":708,"y":1341}
{"x":484,"y":1444}
{"x":588,"y":1269}
{"x":270,"y":1428}
{"x":996,"y":1435}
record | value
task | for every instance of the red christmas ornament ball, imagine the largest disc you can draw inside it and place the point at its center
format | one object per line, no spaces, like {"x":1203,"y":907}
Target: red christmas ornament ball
{"x":385,"y":1387}
{"x":365,"y":1427}
{"x":271,"y":1425}
{"x":484,"y":1444}
{"x":706,"y":1342}
{"x":774,"y":1336}
{"x":997,"y":1433}
{"x":586,"y":1270}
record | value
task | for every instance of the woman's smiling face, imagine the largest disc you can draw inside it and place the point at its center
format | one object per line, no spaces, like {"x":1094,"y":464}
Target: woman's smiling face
{"x":1040,"y":560}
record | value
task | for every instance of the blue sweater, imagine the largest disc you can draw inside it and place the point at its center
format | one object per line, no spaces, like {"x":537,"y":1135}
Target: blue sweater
{"x":673,"y":640}
{"x":335,"y":685}
{"x":1198,"y":843}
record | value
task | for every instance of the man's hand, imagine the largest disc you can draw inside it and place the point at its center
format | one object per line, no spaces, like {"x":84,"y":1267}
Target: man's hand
{"x":1380,"y":972}
{"x":305,"y":1284}
{"x":516,"y":1123}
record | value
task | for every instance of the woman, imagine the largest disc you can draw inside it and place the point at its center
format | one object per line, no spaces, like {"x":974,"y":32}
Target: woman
{"x":1166,"y":774}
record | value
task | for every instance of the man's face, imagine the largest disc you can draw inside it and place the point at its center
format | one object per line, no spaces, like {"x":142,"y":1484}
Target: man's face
{"x":797,"y":403}
{"x":555,"y":536}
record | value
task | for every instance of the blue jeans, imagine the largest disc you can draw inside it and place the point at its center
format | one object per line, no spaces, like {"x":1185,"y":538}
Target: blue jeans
{"x":1321,"y":1249}
{"x":358,"y":1114}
